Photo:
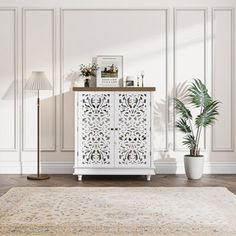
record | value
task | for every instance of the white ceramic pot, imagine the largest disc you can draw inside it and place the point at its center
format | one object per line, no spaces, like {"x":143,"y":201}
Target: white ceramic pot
{"x":193,"y":166}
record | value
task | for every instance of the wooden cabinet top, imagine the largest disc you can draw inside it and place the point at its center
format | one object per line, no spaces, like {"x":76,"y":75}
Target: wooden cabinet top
{"x":114,"y":89}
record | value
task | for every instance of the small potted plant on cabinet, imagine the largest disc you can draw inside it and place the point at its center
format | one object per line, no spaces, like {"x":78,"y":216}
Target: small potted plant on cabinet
{"x":88,"y":71}
{"x":199,"y":99}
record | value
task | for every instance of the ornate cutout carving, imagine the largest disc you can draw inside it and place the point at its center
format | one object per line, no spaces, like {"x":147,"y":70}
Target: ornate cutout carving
{"x":133,"y":138}
{"x":95,"y":131}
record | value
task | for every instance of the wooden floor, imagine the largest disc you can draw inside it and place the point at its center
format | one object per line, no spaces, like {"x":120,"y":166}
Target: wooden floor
{"x":9,"y":181}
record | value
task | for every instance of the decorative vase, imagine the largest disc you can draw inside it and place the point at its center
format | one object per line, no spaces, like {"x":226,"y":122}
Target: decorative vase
{"x":86,"y":82}
{"x":193,"y":166}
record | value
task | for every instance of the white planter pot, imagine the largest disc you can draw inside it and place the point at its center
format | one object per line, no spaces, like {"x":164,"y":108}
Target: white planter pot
{"x":193,"y":166}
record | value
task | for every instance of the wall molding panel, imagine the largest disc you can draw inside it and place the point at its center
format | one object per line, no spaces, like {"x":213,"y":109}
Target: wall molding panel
{"x":62,"y":72}
{"x":12,"y":90}
{"x":62,"y":96}
{"x":43,"y":66}
{"x":166,"y":148}
{"x":184,"y":50}
{"x":223,"y":75}
{"x":167,"y":84}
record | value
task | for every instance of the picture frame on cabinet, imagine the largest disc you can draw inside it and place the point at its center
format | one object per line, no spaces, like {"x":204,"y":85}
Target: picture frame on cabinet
{"x":110,"y":71}
{"x":129,"y":82}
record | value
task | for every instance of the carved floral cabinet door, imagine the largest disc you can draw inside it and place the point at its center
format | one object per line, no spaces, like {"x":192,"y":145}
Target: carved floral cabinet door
{"x":95,"y":124}
{"x":132,"y":135}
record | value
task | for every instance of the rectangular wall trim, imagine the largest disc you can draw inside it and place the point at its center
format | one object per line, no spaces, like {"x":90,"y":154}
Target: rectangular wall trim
{"x":53,"y":53}
{"x":14,"y":85}
{"x":204,"y":60}
{"x":62,"y":144}
{"x":225,"y":78}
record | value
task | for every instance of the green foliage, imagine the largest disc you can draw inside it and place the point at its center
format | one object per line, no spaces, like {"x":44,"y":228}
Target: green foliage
{"x":208,"y":115}
{"x":181,"y":108}
{"x":199,"y":99}
{"x":199,"y":94}
{"x":183,"y":126}
{"x":189,"y":141}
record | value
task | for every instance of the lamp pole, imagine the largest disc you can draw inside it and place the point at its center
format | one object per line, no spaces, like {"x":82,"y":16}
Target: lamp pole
{"x":38,"y":176}
{"x":38,"y":106}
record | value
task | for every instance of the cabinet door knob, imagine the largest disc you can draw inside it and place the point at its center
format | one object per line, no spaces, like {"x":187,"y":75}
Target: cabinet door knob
{"x":116,"y":128}
{"x":111,"y":129}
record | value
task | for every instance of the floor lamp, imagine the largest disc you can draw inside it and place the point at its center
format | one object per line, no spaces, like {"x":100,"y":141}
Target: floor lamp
{"x":38,"y":81}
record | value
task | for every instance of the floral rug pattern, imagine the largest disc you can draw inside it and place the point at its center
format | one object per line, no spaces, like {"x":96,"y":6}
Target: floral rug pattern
{"x":99,"y":211}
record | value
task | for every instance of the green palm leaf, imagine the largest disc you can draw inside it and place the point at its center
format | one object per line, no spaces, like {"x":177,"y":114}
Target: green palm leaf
{"x":183,"y":126}
{"x":199,"y":94}
{"x":189,"y":141}
{"x":208,"y":116}
{"x":182,"y":109}
{"x":199,"y":98}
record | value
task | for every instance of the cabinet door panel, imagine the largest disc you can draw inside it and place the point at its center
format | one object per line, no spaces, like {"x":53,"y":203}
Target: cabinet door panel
{"x":132,"y":137}
{"x":95,"y":138}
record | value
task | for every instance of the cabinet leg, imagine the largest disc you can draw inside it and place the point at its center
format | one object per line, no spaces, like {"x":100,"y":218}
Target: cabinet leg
{"x":80,"y":177}
{"x":148,"y":177}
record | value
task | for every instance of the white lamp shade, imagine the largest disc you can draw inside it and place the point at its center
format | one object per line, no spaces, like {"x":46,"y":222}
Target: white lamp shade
{"x":38,"y":81}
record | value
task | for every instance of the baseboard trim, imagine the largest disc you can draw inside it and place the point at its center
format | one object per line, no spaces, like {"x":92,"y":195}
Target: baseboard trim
{"x":11,"y":167}
{"x":209,"y":167}
{"x":30,"y":167}
{"x":67,"y":167}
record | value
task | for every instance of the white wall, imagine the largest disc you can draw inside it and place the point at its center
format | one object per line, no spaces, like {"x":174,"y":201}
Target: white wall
{"x":172,"y":41}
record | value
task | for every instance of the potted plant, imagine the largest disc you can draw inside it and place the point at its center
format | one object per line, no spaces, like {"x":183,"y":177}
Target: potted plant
{"x":198,"y":98}
{"x":87,"y":71}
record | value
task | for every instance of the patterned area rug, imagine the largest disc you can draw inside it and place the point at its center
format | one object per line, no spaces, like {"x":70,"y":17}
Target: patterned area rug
{"x":118,"y":211}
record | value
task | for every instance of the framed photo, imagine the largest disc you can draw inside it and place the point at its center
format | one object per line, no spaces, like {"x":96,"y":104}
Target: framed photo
{"x":110,"y":71}
{"x":129,"y":81}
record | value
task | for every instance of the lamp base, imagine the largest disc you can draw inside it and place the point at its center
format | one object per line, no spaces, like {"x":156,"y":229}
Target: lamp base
{"x":37,"y":177}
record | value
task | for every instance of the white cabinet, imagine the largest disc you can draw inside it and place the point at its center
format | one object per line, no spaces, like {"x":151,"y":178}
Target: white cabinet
{"x":113,"y":133}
